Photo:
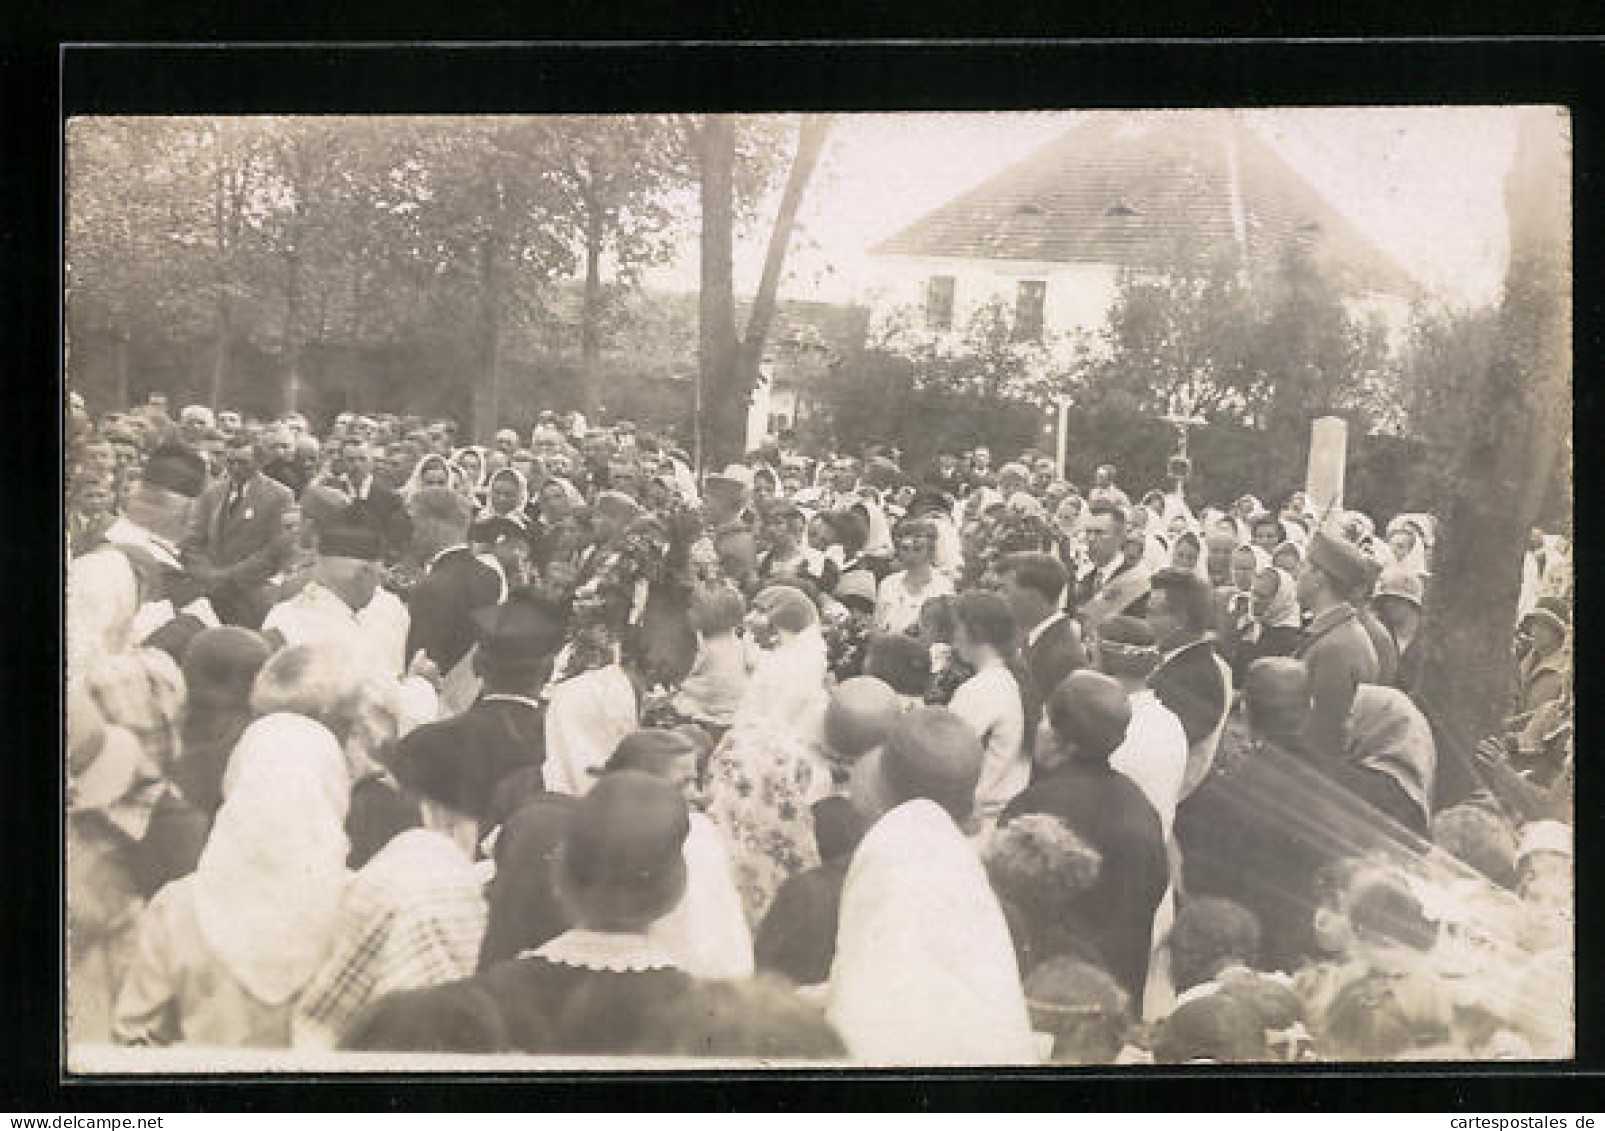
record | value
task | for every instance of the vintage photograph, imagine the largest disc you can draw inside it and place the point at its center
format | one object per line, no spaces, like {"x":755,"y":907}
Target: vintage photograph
{"x":1053,"y":588}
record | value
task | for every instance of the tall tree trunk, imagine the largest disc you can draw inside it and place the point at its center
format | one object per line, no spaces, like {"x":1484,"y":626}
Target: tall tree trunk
{"x":591,"y":314}
{"x":220,"y":363}
{"x":292,"y":336}
{"x":222,"y":192}
{"x":120,"y":362}
{"x":721,"y":424}
{"x":292,"y":380}
{"x":1507,"y":462}
{"x":811,"y":135}
{"x":487,"y":388}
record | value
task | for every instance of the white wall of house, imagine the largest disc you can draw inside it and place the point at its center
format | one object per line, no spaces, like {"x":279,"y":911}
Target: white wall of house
{"x":773,"y":408}
{"x":758,"y":408}
{"x":1076,"y":305}
{"x":1077,"y":295}
{"x":1077,"y":300}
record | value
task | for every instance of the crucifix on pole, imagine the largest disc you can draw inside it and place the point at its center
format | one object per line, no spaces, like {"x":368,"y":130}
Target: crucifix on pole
{"x":1179,"y":466}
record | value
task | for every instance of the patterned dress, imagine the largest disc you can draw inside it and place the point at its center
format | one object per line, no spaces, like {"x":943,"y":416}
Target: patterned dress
{"x":762,"y":783}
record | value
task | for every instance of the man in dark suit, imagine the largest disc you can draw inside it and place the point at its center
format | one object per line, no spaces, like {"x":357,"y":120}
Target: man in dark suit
{"x":1087,"y":717}
{"x":456,"y":584}
{"x":518,"y":640}
{"x":278,"y":445}
{"x":1187,"y":680}
{"x":1050,"y":642}
{"x":1113,"y":585}
{"x":1190,"y":678}
{"x":504,"y":731}
{"x":238,"y":537}
{"x":379,"y":508}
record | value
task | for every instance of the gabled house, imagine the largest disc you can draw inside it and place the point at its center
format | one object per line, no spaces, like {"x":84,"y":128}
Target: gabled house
{"x":1048,"y":236}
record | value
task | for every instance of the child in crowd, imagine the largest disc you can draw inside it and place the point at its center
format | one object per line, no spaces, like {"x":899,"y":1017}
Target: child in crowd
{"x":1080,"y":1009}
{"x":718,"y":679}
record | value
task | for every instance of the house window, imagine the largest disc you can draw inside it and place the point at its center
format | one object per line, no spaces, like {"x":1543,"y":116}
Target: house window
{"x":939,"y":302}
{"x":1029,"y":298}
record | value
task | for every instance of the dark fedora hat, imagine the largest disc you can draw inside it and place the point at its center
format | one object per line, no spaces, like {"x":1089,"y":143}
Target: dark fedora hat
{"x":622,"y":865}
{"x":522,"y":629}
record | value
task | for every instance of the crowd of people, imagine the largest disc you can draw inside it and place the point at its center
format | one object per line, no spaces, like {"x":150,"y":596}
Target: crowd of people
{"x":383,"y":740}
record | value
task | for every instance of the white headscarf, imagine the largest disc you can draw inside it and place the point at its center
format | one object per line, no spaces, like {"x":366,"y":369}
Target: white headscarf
{"x":1061,"y":517}
{"x":879,"y":542}
{"x":473,"y":483}
{"x":102,"y":598}
{"x":570,"y":492}
{"x":1176,"y":507}
{"x":788,"y":682}
{"x":1201,"y":566}
{"x":414,"y":482}
{"x":1283,"y":610}
{"x":1026,"y":505}
{"x":949,"y":556}
{"x":774,"y":477}
{"x":268,"y":886}
{"x":1155,"y":550}
{"x":1415,"y":560}
{"x":925,"y":972}
{"x":787,"y":687}
{"x":488,"y":511}
{"x":707,"y":933}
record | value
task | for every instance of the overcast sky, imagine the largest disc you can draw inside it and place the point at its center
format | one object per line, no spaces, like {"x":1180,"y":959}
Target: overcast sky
{"x":1425,"y":184}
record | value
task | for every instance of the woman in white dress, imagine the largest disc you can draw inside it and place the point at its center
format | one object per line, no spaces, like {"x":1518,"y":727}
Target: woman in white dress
{"x":990,"y":700}
{"x":901,"y":595}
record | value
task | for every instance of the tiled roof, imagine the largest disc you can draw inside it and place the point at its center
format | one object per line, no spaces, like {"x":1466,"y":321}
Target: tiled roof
{"x":1142,"y":191}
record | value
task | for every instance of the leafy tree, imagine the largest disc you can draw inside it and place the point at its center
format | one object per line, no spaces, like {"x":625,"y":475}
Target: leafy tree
{"x":119,"y":269}
{"x":489,"y":232}
{"x":1442,"y":369}
{"x":987,"y":361}
{"x":728,"y":150}
{"x":1515,"y":431}
{"x":1208,"y":339}
{"x":620,"y":175}
{"x":1185,"y":341}
{"x":164,"y":218}
{"x":325,"y":175}
{"x":414,"y":249}
{"x":1316,"y":357}
{"x":909,"y":389}
{"x":230,"y":154}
